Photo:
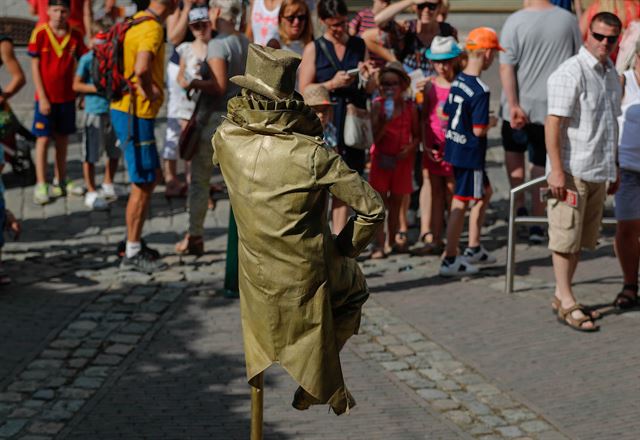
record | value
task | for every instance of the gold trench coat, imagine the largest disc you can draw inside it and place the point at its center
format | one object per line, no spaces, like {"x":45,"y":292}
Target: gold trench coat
{"x":301,"y":290}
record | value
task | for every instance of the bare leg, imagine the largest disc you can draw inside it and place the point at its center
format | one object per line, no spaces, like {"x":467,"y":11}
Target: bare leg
{"x":476,"y":218}
{"x":395,"y":208}
{"x":564,"y":267}
{"x":61,"y":141}
{"x":110,"y":171}
{"x":438,"y":194}
{"x":537,"y":205}
{"x":455,"y":226}
{"x":425,"y":203}
{"x":627,"y":249}
{"x":514,"y":163}
{"x":42,"y":143}
{"x":89,"y":173}
{"x":137,"y":209}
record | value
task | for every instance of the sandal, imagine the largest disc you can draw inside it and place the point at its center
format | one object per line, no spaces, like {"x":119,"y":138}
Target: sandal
{"x":626,"y":301}
{"x":595,"y":314}
{"x":190,"y":245}
{"x":425,"y":240}
{"x":565,"y":317}
{"x":378,"y":254}
{"x":401,"y":244}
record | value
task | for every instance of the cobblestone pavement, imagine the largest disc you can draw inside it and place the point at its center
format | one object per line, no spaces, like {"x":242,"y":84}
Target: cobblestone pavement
{"x":91,"y":352}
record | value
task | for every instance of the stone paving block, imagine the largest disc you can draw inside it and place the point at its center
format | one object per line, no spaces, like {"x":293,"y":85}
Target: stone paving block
{"x":22,"y":413}
{"x":12,"y":427}
{"x":45,"y":394}
{"x":444,"y":404}
{"x":45,"y":427}
{"x":462,"y":418}
{"x":493,"y":421}
{"x":103,"y":359}
{"x":23,"y":386}
{"x":432,"y":394}
{"x":55,"y":354}
{"x":535,"y":426}
{"x":386,"y":340}
{"x":395,"y":365}
{"x":509,"y":431}
{"x":518,"y":415}
{"x":10,"y":397}
{"x":45,"y":364}
{"x":120,"y":349}
{"x":399,"y":350}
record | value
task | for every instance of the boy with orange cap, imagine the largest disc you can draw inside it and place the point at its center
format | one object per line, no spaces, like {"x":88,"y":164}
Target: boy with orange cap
{"x":466,"y":144}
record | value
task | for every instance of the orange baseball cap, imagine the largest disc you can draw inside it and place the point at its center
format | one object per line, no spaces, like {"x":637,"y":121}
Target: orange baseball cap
{"x":483,"y":38}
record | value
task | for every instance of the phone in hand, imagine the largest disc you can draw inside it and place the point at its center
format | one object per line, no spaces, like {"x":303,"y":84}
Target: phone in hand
{"x":353,"y":72}
{"x":570,"y":199}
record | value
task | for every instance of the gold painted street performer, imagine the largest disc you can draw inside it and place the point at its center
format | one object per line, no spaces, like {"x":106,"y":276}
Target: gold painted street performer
{"x":301,"y":290}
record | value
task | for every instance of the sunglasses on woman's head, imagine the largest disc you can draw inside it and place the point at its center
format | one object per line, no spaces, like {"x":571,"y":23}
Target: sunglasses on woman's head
{"x":610,"y":38}
{"x":431,"y":6}
{"x":292,"y":18}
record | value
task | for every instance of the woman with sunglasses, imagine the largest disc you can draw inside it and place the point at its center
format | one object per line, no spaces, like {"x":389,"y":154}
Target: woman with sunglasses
{"x":419,"y":32}
{"x":295,"y":30}
{"x":327,"y":61}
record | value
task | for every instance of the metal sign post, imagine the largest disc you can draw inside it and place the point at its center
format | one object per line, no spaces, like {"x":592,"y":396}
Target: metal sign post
{"x":257,"y":407}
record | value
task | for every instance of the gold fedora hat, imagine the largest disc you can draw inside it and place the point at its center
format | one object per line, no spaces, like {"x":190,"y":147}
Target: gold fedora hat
{"x":270,"y":72}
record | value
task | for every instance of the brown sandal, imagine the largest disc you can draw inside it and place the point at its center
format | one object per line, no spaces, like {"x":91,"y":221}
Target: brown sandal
{"x":564,"y":316}
{"x":190,"y":245}
{"x":595,"y":314}
{"x":626,"y":302}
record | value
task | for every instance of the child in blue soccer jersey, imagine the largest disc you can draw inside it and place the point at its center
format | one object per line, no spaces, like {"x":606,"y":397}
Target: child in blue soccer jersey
{"x":466,"y":144}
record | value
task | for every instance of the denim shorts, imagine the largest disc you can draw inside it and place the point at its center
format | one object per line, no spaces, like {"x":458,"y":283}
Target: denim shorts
{"x":628,"y":196}
{"x":138,"y":142}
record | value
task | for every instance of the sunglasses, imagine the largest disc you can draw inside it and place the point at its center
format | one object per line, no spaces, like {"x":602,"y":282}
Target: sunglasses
{"x":610,"y":38}
{"x":291,"y":18}
{"x":431,"y":6}
{"x":337,"y":25}
{"x":199,"y":25}
{"x":389,"y":83}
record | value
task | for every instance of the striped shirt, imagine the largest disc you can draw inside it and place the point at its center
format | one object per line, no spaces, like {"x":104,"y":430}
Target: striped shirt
{"x":362,"y":21}
{"x":587,"y":93}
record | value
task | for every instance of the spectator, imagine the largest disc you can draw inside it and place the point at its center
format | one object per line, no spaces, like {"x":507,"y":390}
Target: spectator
{"x":317,"y":97}
{"x":143,"y":59}
{"x":627,"y":207}
{"x":625,"y":10}
{"x":435,"y":197}
{"x":396,"y":133}
{"x":98,"y":131}
{"x":420,"y":32}
{"x":54,"y":47}
{"x":295,"y":29}
{"x":79,"y":17}
{"x":537,"y":39}
{"x":465,"y":149}
{"x":364,"y":19}
{"x":329,"y":67}
{"x":17,"y":81}
{"x":297,"y":280}
{"x":581,"y":137}
{"x":178,"y":105}
{"x":262,"y":21}
{"x":226,"y":57}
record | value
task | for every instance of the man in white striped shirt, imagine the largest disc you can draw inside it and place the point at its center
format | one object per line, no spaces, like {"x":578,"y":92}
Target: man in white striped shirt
{"x":581,"y":135}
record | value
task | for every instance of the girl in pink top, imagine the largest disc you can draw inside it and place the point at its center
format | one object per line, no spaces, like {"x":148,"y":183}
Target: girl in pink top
{"x":396,"y":133}
{"x":437,"y":189}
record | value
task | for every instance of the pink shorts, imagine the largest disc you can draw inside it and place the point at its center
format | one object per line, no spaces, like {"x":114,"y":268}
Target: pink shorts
{"x":397,"y":180}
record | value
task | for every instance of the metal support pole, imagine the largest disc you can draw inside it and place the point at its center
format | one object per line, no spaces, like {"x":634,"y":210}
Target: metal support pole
{"x":511,"y":243}
{"x":257,"y":407}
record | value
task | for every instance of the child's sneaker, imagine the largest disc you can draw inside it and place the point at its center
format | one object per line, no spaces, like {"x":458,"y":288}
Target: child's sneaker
{"x":481,"y":256}
{"x":93,"y":200}
{"x":41,"y":194}
{"x":458,"y":268}
{"x":67,"y":188}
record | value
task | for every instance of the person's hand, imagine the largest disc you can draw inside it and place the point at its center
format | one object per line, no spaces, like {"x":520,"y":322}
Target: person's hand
{"x":183,"y":82}
{"x":518,"y":117}
{"x":187,"y":4}
{"x":404,"y":151}
{"x":341,"y":79}
{"x":557,"y":184}
{"x":367,"y":69}
{"x":613,"y":186}
{"x":44,"y":106}
{"x":493,"y":121}
{"x":434,"y":155}
{"x":156,"y":93}
{"x":421,"y":84}
{"x":3,"y":100}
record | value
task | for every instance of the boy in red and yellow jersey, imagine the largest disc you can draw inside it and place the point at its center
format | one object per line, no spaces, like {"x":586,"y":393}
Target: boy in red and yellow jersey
{"x":54,"y":47}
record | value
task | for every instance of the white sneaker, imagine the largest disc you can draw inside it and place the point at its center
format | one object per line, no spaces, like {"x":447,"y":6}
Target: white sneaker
{"x":93,"y":200}
{"x":480,"y":257}
{"x":459,"y":268}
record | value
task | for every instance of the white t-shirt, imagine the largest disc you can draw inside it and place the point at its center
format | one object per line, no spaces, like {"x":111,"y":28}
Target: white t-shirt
{"x":629,"y":147}
{"x":264,"y":23}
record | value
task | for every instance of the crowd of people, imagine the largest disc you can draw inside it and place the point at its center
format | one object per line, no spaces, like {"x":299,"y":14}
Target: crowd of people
{"x":410,"y":84}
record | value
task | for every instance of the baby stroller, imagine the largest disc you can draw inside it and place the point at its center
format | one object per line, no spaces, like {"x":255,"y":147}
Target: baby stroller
{"x":17,"y":142}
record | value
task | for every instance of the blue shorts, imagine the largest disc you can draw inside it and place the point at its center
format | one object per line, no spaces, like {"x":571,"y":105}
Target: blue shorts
{"x":627,"y":197}
{"x":471,"y":184}
{"x":61,"y":120}
{"x":137,"y":140}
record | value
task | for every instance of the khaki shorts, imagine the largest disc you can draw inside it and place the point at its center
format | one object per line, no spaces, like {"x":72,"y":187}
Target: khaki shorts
{"x":575,"y":228}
